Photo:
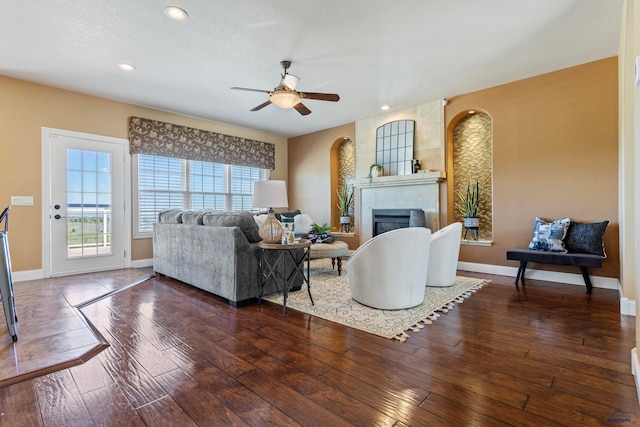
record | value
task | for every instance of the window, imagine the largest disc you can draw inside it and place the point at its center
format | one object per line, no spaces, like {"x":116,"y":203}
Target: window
{"x":171,"y":183}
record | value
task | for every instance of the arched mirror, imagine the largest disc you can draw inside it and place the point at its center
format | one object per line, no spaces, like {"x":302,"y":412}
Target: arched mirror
{"x":394,"y":147}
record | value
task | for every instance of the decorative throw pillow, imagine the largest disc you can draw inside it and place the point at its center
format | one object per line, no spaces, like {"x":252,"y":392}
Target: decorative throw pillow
{"x":243,"y":220}
{"x":260,"y":219}
{"x":549,"y":236}
{"x":288,"y":214}
{"x":586,"y":238}
{"x":302,"y":224}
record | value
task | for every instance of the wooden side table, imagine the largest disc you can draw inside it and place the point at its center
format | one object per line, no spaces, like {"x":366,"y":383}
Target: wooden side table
{"x":276,"y":269}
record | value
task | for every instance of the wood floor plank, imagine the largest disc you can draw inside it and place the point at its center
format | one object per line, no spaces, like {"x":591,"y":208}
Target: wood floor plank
{"x":207,"y":409}
{"x":293,"y":404}
{"x":59,"y":401}
{"x":91,"y":376}
{"x":165,"y":412}
{"x":107,"y":406}
{"x":138,"y":386}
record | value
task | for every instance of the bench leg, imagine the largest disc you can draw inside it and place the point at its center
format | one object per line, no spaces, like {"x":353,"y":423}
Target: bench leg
{"x":521,"y":270}
{"x":587,"y":279}
{"x":339,"y":265}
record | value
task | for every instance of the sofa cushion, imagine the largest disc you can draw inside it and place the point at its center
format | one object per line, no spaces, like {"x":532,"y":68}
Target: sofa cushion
{"x":586,"y":238}
{"x":170,"y":216}
{"x":549,"y":236}
{"x":193,"y":217}
{"x":242,"y":220}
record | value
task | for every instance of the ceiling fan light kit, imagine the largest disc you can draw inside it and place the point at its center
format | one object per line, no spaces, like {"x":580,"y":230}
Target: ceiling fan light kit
{"x":285,"y":94}
{"x":284,"y":98}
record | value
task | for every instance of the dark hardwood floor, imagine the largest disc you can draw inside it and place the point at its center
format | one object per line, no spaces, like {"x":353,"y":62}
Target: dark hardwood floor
{"x":543,"y":355}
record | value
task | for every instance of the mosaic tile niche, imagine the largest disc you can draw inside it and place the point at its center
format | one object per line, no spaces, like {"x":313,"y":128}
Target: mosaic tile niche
{"x":346,"y":162}
{"x":473,"y":159}
{"x":347,"y":172}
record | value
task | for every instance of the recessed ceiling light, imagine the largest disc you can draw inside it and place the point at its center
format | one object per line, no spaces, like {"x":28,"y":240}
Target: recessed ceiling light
{"x":126,"y":67}
{"x":174,"y":12}
{"x":385,"y":107}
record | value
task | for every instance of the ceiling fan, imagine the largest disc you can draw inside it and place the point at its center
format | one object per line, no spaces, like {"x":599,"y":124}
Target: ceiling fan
{"x":285,"y":94}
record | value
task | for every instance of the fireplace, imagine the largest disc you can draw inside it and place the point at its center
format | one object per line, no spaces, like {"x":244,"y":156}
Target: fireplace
{"x":390,"y":219}
{"x":419,"y":190}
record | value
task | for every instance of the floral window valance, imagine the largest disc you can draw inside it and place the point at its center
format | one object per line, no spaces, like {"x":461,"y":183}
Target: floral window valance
{"x":169,"y":140}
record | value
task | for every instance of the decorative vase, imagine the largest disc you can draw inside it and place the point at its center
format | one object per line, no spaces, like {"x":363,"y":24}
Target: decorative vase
{"x":345,"y":220}
{"x":471,"y":222}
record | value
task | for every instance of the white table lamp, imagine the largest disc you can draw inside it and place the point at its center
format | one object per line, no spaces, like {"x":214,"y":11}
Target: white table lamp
{"x":270,"y":194}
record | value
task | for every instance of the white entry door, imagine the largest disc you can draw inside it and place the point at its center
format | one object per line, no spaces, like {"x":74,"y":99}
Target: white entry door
{"x":86,"y":203}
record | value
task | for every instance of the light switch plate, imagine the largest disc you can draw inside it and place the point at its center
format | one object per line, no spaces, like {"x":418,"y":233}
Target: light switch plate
{"x":22,"y":200}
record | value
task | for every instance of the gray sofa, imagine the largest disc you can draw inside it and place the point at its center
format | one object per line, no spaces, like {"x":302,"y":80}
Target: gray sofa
{"x":214,"y":251}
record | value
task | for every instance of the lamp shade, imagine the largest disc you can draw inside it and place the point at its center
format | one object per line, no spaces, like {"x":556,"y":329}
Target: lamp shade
{"x":269,"y":194}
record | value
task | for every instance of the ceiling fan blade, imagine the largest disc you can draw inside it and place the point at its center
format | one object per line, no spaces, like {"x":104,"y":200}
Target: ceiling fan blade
{"x":320,"y":96}
{"x":261,"y":106}
{"x":251,"y":90}
{"x":302,"y":109}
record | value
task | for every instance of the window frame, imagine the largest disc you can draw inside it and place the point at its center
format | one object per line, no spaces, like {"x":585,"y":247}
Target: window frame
{"x":185,"y":190}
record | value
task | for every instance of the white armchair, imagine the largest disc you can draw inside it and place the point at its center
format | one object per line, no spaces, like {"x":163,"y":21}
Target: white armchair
{"x":389,"y":271}
{"x":443,"y":257}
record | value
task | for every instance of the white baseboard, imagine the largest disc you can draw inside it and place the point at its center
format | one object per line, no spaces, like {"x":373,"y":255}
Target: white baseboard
{"x":23,"y":276}
{"x":141,"y":263}
{"x":627,"y":306}
{"x":26,"y":275}
{"x":635,"y":369}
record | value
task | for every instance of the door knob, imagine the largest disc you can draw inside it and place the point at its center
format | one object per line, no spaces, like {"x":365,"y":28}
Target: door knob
{"x":58,"y":216}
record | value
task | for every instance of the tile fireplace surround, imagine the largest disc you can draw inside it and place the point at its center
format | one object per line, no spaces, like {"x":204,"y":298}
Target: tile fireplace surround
{"x":421,"y":190}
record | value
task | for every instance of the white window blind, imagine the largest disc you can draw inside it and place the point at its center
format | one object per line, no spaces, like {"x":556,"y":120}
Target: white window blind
{"x":171,"y":183}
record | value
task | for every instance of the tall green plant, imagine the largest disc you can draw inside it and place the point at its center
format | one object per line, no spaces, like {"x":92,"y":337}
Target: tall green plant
{"x":469,"y":200}
{"x":345,"y":200}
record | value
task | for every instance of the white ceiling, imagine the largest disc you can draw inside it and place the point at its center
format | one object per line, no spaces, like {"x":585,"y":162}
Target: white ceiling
{"x":371,"y":52}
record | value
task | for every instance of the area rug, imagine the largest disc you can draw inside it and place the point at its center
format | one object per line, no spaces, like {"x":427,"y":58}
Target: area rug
{"x":332,"y":298}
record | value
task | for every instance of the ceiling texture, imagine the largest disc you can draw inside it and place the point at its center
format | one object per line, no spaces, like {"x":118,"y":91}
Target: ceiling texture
{"x":371,"y":52}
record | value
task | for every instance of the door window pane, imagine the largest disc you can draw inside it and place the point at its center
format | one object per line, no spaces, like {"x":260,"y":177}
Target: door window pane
{"x":88,"y":203}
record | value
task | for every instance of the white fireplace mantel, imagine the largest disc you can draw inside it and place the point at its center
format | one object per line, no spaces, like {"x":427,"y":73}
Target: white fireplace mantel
{"x":400,"y":180}
{"x":420,"y":190}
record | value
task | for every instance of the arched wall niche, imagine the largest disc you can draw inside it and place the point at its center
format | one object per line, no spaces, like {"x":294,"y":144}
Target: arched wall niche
{"x":470,"y":158}
{"x":343,"y":169}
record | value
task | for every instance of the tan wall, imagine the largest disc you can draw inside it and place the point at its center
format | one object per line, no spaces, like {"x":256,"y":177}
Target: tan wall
{"x":309,"y":188}
{"x":26,"y":107}
{"x":555,"y":155}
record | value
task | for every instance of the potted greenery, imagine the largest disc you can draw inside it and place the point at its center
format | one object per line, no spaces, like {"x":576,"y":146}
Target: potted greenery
{"x":345,"y":203}
{"x":375,"y":170}
{"x":469,"y":204}
{"x":320,"y":233}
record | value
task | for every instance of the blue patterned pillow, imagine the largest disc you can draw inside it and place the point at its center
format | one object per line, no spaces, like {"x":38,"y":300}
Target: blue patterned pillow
{"x":549,"y":236}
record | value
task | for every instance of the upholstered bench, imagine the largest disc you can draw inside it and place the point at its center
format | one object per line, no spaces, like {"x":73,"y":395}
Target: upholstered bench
{"x":335,"y":250}
{"x":563,"y":242}
{"x":581,"y":260}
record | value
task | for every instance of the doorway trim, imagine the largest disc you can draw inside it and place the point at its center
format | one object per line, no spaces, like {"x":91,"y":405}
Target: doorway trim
{"x":47,"y":133}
